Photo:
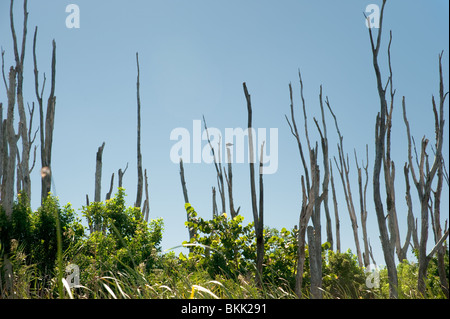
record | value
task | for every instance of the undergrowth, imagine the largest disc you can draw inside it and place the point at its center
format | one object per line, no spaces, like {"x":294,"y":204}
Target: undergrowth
{"x":119,"y":256}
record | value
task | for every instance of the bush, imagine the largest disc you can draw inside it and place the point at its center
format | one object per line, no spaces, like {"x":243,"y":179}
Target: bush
{"x":119,"y":240}
{"x":342,"y":276}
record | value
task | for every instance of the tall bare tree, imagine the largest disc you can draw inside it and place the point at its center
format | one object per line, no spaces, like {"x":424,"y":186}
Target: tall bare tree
{"x":336,"y":211}
{"x":219,"y":171}
{"x":146,"y":205}
{"x":311,"y":201}
{"x":229,"y":179}
{"x":326,"y":177}
{"x":423,"y":182}
{"x":139,"y":155}
{"x":258,"y":213}
{"x":23,"y":178}
{"x":120,"y":173}
{"x":380,"y":134}
{"x":98,"y":173}
{"x":362,"y":204}
{"x":186,"y":198}
{"x":9,"y":139}
{"x":343,"y":167}
{"x":47,"y":125}
{"x":9,"y":149}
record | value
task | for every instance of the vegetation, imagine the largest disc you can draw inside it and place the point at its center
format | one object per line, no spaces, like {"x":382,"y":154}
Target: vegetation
{"x":119,"y":256}
{"x":48,"y":253}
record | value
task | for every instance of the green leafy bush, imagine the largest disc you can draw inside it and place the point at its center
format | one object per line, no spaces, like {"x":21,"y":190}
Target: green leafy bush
{"x":120,"y":239}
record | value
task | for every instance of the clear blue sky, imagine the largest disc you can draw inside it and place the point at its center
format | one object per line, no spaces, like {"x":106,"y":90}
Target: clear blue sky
{"x":194,"y":56}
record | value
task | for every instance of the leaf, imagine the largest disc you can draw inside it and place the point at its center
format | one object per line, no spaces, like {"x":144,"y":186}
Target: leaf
{"x":66,"y":285}
{"x":110,"y":291}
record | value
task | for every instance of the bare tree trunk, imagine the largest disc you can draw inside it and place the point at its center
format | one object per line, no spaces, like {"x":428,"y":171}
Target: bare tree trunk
{"x":412,"y":230}
{"x":98,"y":174}
{"x":139,"y":155}
{"x":23,"y":166}
{"x":389,"y":172}
{"x":186,"y":198}
{"x":229,"y":179}
{"x":438,"y":234}
{"x":214,"y":203}
{"x":362,"y":203}
{"x":220,"y":183}
{"x":46,"y":129}
{"x":326,"y":177}
{"x":344,"y":169}
{"x":111,"y":186}
{"x":11,"y":138}
{"x":336,"y":212}
{"x":3,"y":151}
{"x":305,"y":215}
{"x":380,"y":133}
{"x":425,"y":180}
{"x":311,"y":202}
{"x":146,"y":207}
{"x":120,"y":173}
{"x":316,"y":280}
{"x":257,"y":217}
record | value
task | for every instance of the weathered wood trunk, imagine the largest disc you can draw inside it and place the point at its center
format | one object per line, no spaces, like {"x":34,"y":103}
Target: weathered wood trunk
{"x":186,"y":198}
{"x":98,"y":174}
{"x":47,"y":123}
{"x":380,"y":134}
{"x":23,"y":178}
{"x":139,"y":155}
{"x":424,"y":180}
{"x":315,"y":265}
{"x":257,"y":216}
{"x":11,"y":138}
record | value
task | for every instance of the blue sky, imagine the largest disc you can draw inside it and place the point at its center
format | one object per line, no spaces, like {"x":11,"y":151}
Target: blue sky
{"x":194,"y":56}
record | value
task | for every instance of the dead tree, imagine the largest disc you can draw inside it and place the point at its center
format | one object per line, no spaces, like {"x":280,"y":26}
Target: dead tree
{"x":363,"y":206}
{"x":423,"y":182}
{"x":389,"y":176}
{"x":336,"y":212}
{"x":344,"y":169}
{"x":3,"y":151}
{"x":186,"y":198}
{"x":111,"y":186}
{"x":23,"y":178}
{"x":326,"y":177}
{"x":380,"y":134}
{"x":258,"y":214}
{"x":219,"y":171}
{"x":139,"y":155}
{"x":412,"y":224}
{"x":214,"y":203}
{"x":98,"y":173}
{"x":229,"y":179}
{"x":146,"y":205}
{"x":311,"y":201}
{"x":120,"y":174}
{"x":438,"y":231}
{"x":9,"y":139}
{"x":46,"y":127}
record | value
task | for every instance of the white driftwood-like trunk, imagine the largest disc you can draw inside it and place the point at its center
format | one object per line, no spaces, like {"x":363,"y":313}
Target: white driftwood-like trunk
{"x":98,"y":174}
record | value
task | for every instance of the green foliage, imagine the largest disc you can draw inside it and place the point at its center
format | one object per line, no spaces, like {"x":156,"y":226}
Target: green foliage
{"x":120,"y":239}
{"x":407,"y":272}
{"x":280,"y":256}
{"x":342,"y":276}
{"x":220,"y":245}
{"x":119,"y":256}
